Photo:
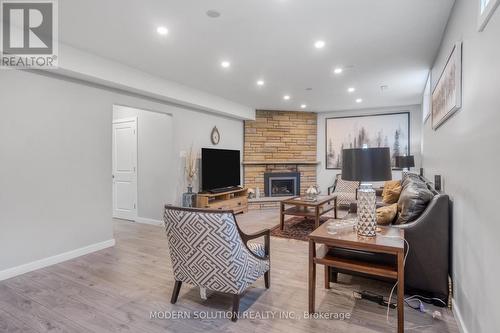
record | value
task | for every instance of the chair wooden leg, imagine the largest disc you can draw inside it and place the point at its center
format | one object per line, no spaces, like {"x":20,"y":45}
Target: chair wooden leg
{"x":236,"y":307}
{"x":267,"y":279}
{"x":175,"y":292}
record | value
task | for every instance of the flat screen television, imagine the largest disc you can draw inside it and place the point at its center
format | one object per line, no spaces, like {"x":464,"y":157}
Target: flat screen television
{"x":219,"y":168}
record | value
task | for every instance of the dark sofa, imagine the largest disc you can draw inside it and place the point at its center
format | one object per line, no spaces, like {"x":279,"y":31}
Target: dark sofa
{"x":428,"y":235}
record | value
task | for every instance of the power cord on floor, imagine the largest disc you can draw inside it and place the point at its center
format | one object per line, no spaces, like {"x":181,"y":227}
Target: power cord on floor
{"x":421,"y":308}
{"x":429,"y":300}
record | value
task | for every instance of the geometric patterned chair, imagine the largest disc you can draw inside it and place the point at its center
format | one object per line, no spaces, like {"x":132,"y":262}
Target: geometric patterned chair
{"x":345,"y":190}
{"x":208,"y":250}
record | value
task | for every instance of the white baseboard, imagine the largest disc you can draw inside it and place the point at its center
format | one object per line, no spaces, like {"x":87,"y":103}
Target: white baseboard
{"x":145,"y":220}
{"x":458,"y":317}
{"x":34,"y":265}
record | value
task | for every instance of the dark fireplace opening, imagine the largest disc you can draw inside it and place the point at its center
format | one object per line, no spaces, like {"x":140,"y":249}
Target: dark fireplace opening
{"x":280,"y":184}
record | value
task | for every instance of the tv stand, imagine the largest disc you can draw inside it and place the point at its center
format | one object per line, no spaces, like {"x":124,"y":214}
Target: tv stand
{"x":235,"y":200}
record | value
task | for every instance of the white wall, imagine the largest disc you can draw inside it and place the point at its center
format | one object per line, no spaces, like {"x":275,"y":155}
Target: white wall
{"x":55,"y":157}
{"x":155,"y":145}
{"x":464,"y":150}
{"x":327,"y":176}
{"x":55,"y":141}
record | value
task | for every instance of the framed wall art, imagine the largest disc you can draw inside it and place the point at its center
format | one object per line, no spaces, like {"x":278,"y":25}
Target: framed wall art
{"x":447,"y":95}
{"x":380,"y":130}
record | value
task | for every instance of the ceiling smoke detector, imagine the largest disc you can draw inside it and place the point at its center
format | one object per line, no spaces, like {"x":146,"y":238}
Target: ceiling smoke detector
{"x":213,"y":13}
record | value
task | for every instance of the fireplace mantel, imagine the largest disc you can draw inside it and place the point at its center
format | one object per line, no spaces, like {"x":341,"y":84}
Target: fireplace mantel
{"x":280,"y":162}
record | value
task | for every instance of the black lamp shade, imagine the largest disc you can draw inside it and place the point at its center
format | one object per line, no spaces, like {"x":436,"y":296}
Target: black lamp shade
{"x":366,"y":164}
{"x":405,"y":161}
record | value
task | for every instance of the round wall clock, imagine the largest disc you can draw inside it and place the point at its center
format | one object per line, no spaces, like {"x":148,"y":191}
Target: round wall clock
{"x":215,"y":136}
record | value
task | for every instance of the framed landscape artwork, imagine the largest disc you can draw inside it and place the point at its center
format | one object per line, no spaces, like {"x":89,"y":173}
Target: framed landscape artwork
{"x":447,"y":95}
{"x":382,"y":130}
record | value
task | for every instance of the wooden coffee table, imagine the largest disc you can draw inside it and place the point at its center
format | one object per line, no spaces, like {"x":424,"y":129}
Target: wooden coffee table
{"x":307,"y":208}
{"x":388,"y":240}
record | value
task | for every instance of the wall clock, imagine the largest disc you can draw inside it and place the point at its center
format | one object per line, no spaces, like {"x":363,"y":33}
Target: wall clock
{"x":215,"y":136}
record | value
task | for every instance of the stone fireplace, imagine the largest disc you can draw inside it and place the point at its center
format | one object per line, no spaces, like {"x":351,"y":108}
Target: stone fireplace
{"x":281,"y":184}
{"x":280,"y":143}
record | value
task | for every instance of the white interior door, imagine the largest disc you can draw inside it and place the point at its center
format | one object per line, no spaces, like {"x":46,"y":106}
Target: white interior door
{"x":125,"y":168}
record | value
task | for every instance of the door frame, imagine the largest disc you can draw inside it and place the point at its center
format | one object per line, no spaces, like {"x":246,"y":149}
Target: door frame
{"x":118,"y":121}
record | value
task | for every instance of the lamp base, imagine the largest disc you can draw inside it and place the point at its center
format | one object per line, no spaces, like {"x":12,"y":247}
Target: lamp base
{"x":367,"y":211}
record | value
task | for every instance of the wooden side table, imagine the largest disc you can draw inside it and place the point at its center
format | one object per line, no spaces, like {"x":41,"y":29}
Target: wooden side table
{"x":308,"y":209}
{"x":388,"y":240}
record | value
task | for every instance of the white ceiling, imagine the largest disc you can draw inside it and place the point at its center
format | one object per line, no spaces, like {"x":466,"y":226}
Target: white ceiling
{"x":387,"y":42}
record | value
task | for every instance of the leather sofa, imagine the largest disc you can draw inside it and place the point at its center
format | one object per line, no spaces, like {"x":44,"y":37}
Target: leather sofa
{"x":428,"y":260}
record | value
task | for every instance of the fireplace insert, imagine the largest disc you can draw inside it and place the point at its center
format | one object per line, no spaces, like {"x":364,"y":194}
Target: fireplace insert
{"x":281,"y":184}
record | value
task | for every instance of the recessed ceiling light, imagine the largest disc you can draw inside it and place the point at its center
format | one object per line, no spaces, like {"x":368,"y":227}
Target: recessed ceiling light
{"x":162,"y":31}
{"x":319,"y":44}
{"x":260,"y":82}
{"x":351,"y":89}
{"x":359,"y":100}
{"x":286,"y":97}
{"x":213,"y":13}
{"x":225,"y":64}
{"x":338,"y":70}
{"x":303,"y":106}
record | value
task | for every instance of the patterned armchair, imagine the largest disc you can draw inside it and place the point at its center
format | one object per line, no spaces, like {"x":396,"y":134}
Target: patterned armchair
{"x":208,"y":250}
{"x":346,"y":191}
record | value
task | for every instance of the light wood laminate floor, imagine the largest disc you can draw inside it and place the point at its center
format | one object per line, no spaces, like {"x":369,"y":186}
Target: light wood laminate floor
{"x":115,"y":290}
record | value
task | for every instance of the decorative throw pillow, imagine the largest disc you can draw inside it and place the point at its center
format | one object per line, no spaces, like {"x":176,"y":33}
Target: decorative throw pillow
{"x":386,"y":214}
{"x":392,"y":190}
{"x":412,"y":202}
{"x":411,"y":178}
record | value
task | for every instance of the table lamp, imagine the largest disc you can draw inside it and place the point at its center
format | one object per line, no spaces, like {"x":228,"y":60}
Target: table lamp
{"x":366,"y":165}
{"x":405,"y":162}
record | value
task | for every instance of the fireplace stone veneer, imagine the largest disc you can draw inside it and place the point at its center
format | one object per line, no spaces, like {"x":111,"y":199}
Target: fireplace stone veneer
{"x":281,"y":142}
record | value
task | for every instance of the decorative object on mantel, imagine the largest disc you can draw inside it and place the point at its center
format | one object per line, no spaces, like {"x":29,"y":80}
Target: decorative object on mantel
{"x":366,"y":165}
{"x":257,"y":192}
{"x":215,"y":136}
{"x":372,"y":131}
{"x":312,"y":193}
{"x":251,"y":193}
{"x":447,"y":95}
{"x":189,"y":198}
{"x":486,"y":10}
